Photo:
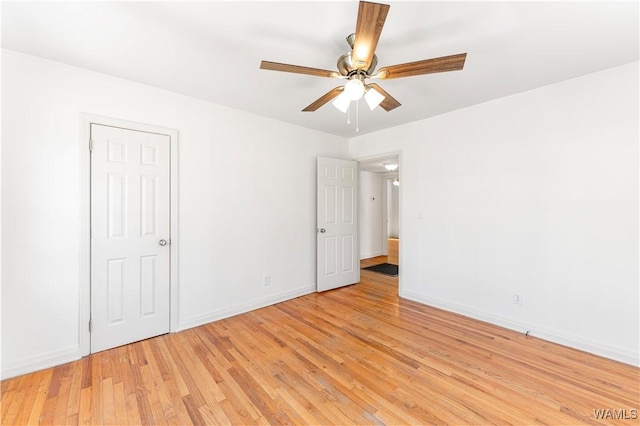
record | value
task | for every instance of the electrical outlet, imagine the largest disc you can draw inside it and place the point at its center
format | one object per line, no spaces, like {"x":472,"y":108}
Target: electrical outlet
{"x":267,"y":280}
{"x":517,"y":298}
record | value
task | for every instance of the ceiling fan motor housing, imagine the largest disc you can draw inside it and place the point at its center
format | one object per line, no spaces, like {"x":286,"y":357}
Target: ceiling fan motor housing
{"x":346,"y":66}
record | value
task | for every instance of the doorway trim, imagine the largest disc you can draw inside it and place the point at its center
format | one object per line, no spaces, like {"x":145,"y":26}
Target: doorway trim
{"x":84,"y":300}
{"x":381,"y":156}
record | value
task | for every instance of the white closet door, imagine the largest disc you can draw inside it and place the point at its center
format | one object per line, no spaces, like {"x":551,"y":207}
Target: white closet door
{"x":130,"y":256}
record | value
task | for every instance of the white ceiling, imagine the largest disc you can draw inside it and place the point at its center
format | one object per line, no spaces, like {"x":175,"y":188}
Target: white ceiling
{"x":212,"y":50}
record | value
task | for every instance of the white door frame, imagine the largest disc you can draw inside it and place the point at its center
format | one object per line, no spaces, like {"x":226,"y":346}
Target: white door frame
{"x":86,"y":120}
{"x":382,"y":156}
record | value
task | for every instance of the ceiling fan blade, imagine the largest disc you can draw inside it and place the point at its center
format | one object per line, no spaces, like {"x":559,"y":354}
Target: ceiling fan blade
{"x":389,"y":102}
{"x":371,"y":17}
{"x":428,"y":66}
{"x":297,"y":69}
{"x":330,"y":95}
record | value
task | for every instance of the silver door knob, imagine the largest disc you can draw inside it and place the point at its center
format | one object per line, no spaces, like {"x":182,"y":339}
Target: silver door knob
{"x":163,"y":242}
{"x":322,"y":230}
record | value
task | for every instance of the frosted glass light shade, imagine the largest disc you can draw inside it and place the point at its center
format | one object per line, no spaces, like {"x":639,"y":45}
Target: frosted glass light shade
{"x":342,"y":102}
{"x":391,"y":166}
{"x":396,"y":182}
{"x":354,"y":89}
{"x":373,"y":98}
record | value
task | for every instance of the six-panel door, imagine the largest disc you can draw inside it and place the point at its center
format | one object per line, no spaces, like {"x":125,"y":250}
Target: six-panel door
{"x":130,"y":209}
{"x":337,"y":232}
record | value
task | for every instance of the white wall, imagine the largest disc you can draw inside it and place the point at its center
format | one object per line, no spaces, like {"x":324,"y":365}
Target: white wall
{"x":370,"y":214}
{"x":246,"y":203}
{"x":536,"y":193}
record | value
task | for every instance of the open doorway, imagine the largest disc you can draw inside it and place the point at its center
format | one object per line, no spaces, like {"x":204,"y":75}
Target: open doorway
{"x":379,"y":215}
{"x":391,"y":204}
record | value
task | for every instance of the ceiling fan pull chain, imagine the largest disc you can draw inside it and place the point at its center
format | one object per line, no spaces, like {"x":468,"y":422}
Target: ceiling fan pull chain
{"x":349,"y":113}
{"x":357,"y":116}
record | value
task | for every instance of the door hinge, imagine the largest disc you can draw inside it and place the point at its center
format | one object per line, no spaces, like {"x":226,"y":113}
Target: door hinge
{"x":90,"y":326}
{"x":90,"y":145}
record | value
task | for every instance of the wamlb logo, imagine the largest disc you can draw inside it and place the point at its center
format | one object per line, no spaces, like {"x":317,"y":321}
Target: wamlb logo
{"x":609,"y":414}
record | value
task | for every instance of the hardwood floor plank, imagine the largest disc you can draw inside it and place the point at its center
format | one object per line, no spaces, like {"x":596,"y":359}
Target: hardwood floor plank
{"x":47,"y":415}
{"x":11,"y":404}
{"x":176,"y":374}
{"x":96,"y":389}
{"x":194,"y":412}
{"x":85,"y":414}
{"x":18,"y":409}
{"x":170,"y":397}
{"x":75,"y":386}
{"x":132,"y":412}
{"x":41,"y":380}
{"x":108,"y":402}
{"x":119,"y":400}
{"x":72,"y":420}
{"x":213,"y":414}
{"x":63,"y":397}
{"x":354,"y":355}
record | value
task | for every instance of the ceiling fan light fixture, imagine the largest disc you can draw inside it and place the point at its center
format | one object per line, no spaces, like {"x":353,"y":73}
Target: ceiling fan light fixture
{"x":341,"y":102}
{"x":373,"y":98}
{"x":396,"y":182}
{"x":391,"y":166}
{"x":354,"y":89}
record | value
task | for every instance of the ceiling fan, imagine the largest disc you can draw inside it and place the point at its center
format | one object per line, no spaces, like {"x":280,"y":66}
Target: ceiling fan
{"x":360,"y":63}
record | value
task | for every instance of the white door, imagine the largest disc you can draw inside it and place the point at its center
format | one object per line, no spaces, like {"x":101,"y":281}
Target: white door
{"x":337,"y":231}
{"x":130,"y":296}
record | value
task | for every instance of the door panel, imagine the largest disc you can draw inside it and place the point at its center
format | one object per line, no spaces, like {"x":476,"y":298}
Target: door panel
{"x":130,"y":295}
{"x":337,"y":223}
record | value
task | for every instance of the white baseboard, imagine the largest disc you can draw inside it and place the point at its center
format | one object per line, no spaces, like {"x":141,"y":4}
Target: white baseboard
{"x":577,"y":342}
{"x":40,"y":362}
{"x":218,"y":314}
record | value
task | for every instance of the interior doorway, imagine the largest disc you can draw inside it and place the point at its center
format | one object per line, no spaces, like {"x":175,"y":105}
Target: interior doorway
{"x":379,"y":212}
{"x":392,"y":206}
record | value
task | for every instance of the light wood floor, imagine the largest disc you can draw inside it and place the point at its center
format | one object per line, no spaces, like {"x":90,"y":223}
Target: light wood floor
{"x":356,"y":355}
{"x":392,"y":249}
